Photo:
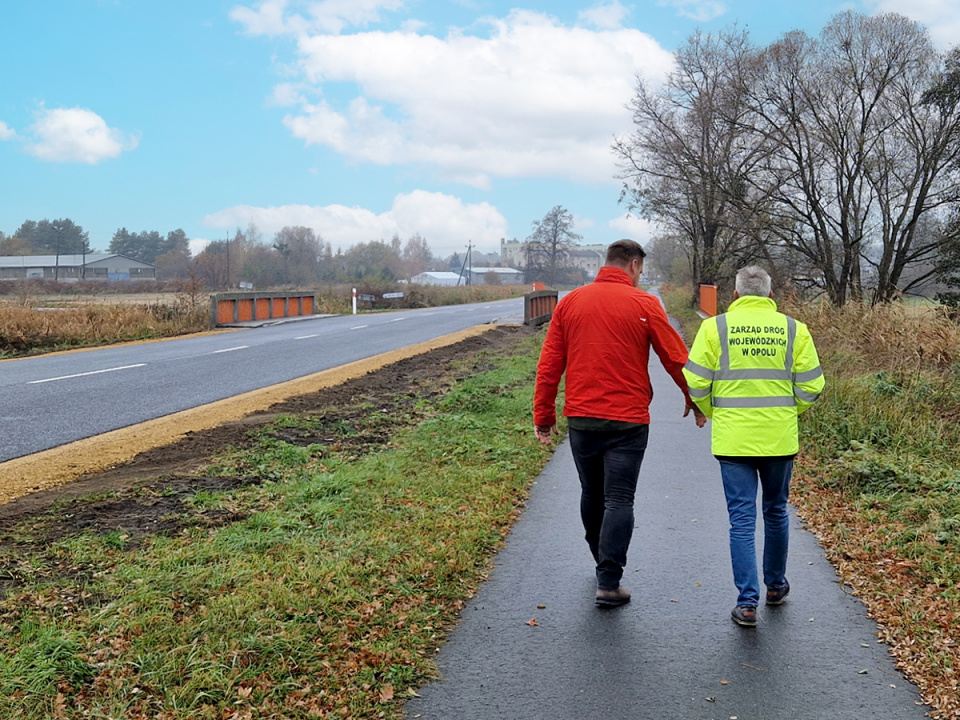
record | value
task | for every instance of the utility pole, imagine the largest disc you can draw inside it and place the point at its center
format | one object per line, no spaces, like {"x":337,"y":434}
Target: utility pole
{"x":56,"y":268}
{"x":229,"y":273}
{"x":470,"y":261}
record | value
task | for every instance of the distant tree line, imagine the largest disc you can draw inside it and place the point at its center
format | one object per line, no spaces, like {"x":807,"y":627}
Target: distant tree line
{"x":46,"y":237}
{"x":832,"y":160}
{"x":294,"y":256}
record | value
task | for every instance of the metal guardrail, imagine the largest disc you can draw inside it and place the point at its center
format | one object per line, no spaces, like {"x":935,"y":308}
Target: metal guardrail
{"x":538,"y":306}
{"x":228,"y":308}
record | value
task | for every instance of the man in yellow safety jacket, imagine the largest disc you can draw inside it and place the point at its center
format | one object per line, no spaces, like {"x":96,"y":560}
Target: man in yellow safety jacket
{"x":753,"y":370}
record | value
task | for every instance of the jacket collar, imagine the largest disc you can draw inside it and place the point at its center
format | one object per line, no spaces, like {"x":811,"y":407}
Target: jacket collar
{"x":752,"y":302}
{"x":613,"y":274}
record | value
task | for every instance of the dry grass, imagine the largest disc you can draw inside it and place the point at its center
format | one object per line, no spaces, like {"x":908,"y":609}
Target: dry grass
{"x":25,"y":330}
{"x":895,"y":338}
{"x":878,"y":481}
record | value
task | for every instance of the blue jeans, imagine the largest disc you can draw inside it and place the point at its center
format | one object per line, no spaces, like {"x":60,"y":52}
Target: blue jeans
{"x":609,"y":465}
{"x":740,"y":476}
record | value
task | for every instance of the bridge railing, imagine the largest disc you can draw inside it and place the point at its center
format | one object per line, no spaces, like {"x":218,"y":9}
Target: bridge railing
{"x":236,"y":307}
{"x":538,"y":306}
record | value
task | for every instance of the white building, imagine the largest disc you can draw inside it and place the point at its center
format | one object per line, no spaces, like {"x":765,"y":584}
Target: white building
{"x":508,"y":276}
{"x":71,"y":268}
{"x":438,"y":278}
{"x":589,"y":258}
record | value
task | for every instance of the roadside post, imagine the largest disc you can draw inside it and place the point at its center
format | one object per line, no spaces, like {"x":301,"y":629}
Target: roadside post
{"x":354,"y":301}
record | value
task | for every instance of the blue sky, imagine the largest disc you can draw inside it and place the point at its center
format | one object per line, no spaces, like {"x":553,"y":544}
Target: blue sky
{"x":461,"y":120}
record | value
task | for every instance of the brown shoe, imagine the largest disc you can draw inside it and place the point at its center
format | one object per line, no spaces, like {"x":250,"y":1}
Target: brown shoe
{"x":612,"y":598}
{"x":744,"y":616}
{"x":775,"y":596}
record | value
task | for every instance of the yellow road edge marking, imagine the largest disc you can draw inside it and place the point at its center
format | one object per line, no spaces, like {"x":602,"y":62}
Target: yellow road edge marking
{"x":60,"y":465}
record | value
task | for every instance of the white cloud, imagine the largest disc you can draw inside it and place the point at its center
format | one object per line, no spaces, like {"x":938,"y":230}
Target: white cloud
{"x":197,"y":245}
{"x":535,"y":98}
{"x":285,"y":95}
{"x":445,"y":221}
{"x":942,"y":17}
{"x":634,"y":228}
{"x":326,"y":16}
{"x":699,"y":10}
{"x":76,"y":135}
{"x":604,"y":15}
{"x":531,"y":98}
{"x":6,"y":132}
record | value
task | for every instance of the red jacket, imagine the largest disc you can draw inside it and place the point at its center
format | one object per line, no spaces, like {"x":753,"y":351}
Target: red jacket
{"x":600,"y":335}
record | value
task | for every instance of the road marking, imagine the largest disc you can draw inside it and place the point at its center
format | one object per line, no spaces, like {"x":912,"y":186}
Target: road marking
{"x":398,"y":319}
{"x":304,"y":337}
{"x":359,"y":327}
{"x":238,"y":347}
{"x":84,"y":374}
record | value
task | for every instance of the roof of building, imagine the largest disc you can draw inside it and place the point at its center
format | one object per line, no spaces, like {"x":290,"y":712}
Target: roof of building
{"x":439,"y":275}
{"x":62,"y":260}
{"x":502,"y":270}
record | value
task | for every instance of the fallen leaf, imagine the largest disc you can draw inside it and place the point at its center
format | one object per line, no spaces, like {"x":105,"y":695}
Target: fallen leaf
{"x":541,"y":607}
{"x":724,"y":682}
{"x":532,"y":622}
{"x":862,"y":672}
{"x":386,"y":693}
{"x":244,"y":692}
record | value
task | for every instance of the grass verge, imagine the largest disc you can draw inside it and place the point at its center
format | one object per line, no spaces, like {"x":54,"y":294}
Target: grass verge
{"x":877,"y":480}
{"x":314,"y":573}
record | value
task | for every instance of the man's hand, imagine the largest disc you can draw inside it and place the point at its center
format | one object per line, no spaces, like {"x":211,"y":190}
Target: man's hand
{"x":697,"y":415}
{"x":544,"y":432}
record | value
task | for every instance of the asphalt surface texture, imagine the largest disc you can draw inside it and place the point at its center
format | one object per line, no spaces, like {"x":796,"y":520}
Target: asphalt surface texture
{"x":673,"y":653}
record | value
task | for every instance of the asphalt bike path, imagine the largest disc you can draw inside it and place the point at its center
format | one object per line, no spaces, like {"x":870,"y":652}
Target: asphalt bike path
{"x":532,"y":645}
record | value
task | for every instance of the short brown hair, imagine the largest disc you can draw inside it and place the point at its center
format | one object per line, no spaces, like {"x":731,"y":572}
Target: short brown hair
{"x":623,"y":251}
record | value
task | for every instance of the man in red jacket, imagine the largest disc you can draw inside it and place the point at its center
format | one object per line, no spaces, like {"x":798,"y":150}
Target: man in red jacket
{"x":600,"y":336}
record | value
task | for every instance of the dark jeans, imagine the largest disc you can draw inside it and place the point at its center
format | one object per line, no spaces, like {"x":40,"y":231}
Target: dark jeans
{"x":740,"y":479}
{"x":609,"y":466}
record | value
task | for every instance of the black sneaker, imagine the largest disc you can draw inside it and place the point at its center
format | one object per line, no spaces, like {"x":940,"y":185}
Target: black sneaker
{"x":613,"y":598}
{"x":744,"y":616}
{"x":776,"y":595}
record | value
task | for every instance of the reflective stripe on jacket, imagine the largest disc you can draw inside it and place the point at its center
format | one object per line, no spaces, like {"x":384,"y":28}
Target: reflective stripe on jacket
{"x":753,"y":370}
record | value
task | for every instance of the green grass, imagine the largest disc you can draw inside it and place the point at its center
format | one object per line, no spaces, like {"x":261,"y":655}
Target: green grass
{"x":330,"y":597}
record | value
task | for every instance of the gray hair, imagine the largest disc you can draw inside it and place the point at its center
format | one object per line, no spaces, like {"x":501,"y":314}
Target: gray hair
{"x":753,"y":280}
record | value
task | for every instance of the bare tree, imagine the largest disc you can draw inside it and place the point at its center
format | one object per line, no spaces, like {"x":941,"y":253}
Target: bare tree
{"x":549,"y":245}
{"x":417,"y":256}
{"x":859,"y":156}
{"x":687,"y":162}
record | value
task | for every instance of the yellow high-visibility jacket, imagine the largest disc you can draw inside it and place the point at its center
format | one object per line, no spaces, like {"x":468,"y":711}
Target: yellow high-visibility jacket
{"x":753,"y":370}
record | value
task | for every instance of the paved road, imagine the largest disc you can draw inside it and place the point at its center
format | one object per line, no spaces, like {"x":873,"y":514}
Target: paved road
{"x":673,"y":653}
{"x":49,"y":401}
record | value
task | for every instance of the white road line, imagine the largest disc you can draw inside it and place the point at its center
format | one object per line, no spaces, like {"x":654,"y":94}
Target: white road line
{"x":93,"y":372}
{"x":359,"y":327}
{"x":398,"y":319}
{"x":305,"y":337}
{"x":239,"y":347}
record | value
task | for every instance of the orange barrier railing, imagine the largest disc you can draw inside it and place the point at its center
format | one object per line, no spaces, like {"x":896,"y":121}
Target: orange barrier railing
{"x":229,"y":308}
{"x":708,"y":300}
{"x":538,"y":306}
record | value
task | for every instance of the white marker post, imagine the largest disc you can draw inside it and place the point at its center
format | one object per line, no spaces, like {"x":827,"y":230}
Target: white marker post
{"x":354,"y":301}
